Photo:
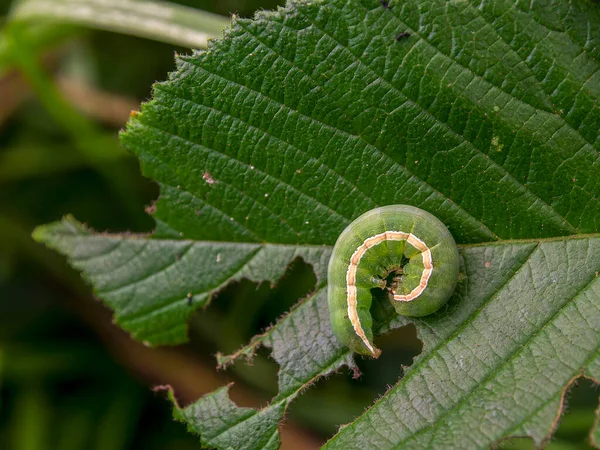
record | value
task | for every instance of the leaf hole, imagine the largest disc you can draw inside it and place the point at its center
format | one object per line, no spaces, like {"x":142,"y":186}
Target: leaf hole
{"x":339,"y":398}
{"x":574,"y":424}
{"x":243,"y":309}
{"x":240,"y":311}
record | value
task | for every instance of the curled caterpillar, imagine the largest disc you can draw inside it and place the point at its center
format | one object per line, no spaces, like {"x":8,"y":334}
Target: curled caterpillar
{"x":399,"y":248}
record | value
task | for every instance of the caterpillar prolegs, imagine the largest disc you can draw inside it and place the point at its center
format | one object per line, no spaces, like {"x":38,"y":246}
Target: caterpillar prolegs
{"x":399,"y":248}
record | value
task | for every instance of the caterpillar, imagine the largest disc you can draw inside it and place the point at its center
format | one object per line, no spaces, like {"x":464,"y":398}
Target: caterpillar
{"x":399,"y":248}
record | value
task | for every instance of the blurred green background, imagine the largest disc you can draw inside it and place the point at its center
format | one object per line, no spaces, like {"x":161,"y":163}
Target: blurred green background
{"x":70,"y":379}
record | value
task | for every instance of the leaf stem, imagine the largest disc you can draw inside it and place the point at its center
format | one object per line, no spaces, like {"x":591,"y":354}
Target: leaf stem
{"x":161,"y":21}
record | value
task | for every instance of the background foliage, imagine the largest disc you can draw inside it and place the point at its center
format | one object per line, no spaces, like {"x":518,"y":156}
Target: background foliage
{"x":69,"y":377}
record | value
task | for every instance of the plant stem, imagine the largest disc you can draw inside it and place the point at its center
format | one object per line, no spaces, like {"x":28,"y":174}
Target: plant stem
{"x":161,"y":21}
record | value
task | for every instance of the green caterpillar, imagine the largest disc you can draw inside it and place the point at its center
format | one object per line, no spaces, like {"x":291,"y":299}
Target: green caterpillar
{"x":399,"y":248}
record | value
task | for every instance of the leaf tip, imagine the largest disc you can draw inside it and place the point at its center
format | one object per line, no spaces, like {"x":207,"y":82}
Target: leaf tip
{"x":40,"y":234}
{"x":177,"y":409}
{"x":45,"y":234}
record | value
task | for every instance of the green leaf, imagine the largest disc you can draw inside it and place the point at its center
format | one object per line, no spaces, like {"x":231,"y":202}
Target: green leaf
{"x":484,"y":356}
{"x":153,"y":285}
{"x":216,"y":418}
{"x":161,"y":21}
{"x":267,"y":145}
{"x":502,"y":370}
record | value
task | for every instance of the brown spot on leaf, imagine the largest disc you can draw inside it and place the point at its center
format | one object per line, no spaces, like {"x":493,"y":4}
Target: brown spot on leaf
{"x":151,"y":209}
{"x":208,"y":178}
